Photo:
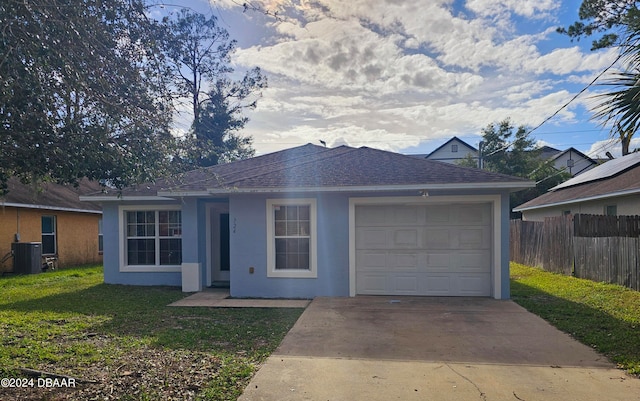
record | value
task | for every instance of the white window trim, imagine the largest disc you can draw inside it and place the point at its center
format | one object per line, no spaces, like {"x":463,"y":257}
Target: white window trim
{"x":123,"y":241}
{"x":271,"y":254}
{"x":100,"y":236}
{"x":53,"y":234}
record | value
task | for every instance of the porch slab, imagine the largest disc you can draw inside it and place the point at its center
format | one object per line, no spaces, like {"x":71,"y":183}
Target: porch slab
{"x":219,"y":298}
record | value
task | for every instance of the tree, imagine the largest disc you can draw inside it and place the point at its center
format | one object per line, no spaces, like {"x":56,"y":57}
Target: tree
{"x":620,"y":107}
{"x":219,"y":121}
{"x":510,"y":151}
{"x":611,"y":18}
{"x":200,"y":51}
{"x":81,"y":92}
{"x":619,"y":23}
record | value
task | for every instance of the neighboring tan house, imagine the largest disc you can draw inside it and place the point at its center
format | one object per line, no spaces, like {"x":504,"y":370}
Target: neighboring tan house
{"x":52,"y":214}
{"x":453,"y":151}
{"x":313,"y":221}
{"x":612,"y":188}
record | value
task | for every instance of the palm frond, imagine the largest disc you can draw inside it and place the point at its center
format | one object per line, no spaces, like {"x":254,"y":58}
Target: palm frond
{"x":620,"y":106}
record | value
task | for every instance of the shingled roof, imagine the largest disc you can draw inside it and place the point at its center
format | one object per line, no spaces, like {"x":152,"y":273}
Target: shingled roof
{"x":51,"y":196}
{"x":315,"y":168}
{"x":614,"y":178}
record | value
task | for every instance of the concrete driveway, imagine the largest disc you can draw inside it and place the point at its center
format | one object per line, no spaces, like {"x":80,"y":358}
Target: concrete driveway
{"x":423,"y":348}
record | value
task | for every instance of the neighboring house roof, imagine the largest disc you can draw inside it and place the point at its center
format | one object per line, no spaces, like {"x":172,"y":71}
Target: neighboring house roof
{"x":468,"y":148}
{"x":50,"y":196}
{"x":617,"y":177}
{"x":582,"y":166}
{"x":315,"y":168}
{"x":547,"y":152}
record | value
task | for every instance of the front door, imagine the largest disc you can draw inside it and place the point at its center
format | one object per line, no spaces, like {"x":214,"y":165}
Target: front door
{"x":220,"y":259}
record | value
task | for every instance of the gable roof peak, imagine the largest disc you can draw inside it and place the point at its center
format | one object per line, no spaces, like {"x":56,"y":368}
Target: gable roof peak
{"x":456,"y":139}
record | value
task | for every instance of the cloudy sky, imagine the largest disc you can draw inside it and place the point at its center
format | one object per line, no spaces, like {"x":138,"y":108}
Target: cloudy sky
{"x":408,"y":75}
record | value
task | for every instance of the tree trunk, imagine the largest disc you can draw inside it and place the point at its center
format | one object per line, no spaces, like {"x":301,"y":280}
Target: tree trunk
{"x":625,"y":139}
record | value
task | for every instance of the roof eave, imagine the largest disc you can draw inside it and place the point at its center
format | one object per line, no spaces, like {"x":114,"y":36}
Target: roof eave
{"x":512,"y":186}
{"x":116,"y":198}
{"x":182,"y":194}
{"x":579,"y":200}
{"x":47,"y":207}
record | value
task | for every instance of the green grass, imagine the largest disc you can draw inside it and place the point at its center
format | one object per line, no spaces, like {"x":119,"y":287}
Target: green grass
{"x":69,"y":321}
{"x":603,"y":316}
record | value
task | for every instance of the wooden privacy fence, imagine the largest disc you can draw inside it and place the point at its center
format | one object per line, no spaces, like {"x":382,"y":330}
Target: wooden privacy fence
{"x":594,"y":247}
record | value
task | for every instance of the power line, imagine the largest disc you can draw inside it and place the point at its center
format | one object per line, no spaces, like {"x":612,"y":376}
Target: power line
{"x":564,"y":106}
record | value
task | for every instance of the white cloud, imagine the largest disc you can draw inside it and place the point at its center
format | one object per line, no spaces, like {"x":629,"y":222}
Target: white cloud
{"x":535,"y":9}
{"x":393,"y":74}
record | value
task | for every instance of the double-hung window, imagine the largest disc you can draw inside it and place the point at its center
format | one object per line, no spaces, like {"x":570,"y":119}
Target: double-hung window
{"x":100,"y":238}
{"x":153,"y":239}
{"x":291,"y":225}
{"x":49,"y":243}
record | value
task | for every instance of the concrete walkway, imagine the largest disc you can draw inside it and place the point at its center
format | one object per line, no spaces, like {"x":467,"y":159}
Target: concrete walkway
{"x":219,"y":298}
{"x":436,"y":349}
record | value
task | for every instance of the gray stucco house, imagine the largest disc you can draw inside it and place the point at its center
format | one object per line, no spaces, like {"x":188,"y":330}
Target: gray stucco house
{"x":314,"y":221}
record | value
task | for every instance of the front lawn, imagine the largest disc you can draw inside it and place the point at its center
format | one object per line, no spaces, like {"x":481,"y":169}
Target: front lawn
{"x":124,"y":343}
{"x":603,"y":316}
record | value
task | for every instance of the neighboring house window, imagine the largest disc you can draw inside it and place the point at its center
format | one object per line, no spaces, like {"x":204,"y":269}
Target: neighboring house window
{"x":611,"y":210}
{"x":454,"y":148}
{"x":49,"y":235}
{"x":566,"y":212}
{"x":570,"y":163}
{"x":100,"y":243}
{"x":153,"y":238}
{"x":291,"y":238}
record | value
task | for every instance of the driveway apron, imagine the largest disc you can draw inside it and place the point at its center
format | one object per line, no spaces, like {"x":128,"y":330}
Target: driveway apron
{"x":427,"y":348}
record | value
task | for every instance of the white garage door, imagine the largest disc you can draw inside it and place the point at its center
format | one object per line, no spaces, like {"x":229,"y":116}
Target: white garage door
{"x":424,"y":250}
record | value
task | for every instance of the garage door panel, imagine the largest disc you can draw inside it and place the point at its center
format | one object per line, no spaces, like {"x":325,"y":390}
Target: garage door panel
{"x":407,"y":216}
{"x":404,"y":238}
{"x":473,"y":214}
{"x":371,"y":216}
{"x":388,"y":238}
{"x":404,"y":261}
{"x":404,"y":284}
{"x":474,"y":238}
{"x":438,"y":214}
{"x":378,"y":261}
{"x":473,"y":284}
{"x":372,"y":284}
{"x":371,"y":238}
{"x":437,"y":238}
{"x":447,"y":253}
{"x":436,"y":284}
{"x":371,"y":260}
{"x":438,"y":261}
{"x":472,"y":261}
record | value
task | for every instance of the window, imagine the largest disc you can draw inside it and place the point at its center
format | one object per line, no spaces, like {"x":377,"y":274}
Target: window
{"x":454,"y":148}
{"x":100,"y":243}
{"x":566,"y":212}
{"x":152,"y":238}
{"x":291,"y":238}
{"x":570,"y":163}
{"x":611,"y":210}
{"x":49,"y":235}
